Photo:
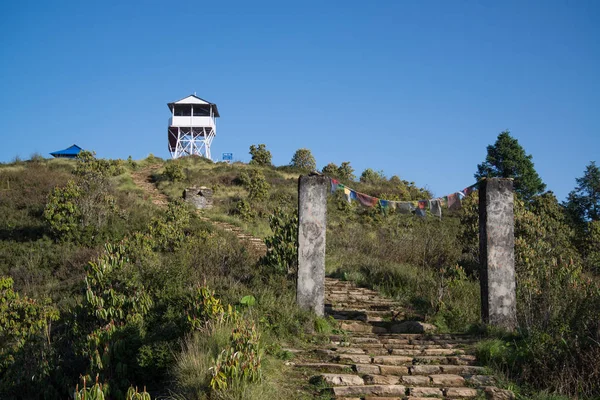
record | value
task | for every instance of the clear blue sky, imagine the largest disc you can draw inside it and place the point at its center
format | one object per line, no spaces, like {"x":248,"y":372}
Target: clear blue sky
{"x":414,"y":88}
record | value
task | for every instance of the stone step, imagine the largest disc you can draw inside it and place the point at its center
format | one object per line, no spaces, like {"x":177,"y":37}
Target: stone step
{"x":400,"y":392}
{"x":386,"y":326}
{"x":439,"y":380}
{"x":470,"y":372}
{"x":368,"y":349}
{"x":402,"y":360}
{"x":368,"y":390}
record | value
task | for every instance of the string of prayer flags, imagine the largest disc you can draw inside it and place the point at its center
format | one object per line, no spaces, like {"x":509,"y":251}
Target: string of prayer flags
{"x":452,"y":201}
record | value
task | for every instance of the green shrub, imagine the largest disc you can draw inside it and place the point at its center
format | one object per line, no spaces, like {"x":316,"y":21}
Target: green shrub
{"x":282,"y":246}
{"x":174,"y":171}
{"x":88,"y":164}
{"x":241,"y":360}
{"x":62,"y":212}
{"x":206,"y":310}
{"x":112,"y":311}
{"x":25,"y":333}
{"x":260,"y":155}
{"x":256,"y":185}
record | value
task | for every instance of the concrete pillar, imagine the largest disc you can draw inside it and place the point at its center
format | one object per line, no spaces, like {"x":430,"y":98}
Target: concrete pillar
{"x":497,"y":253}
{"x":312,"y":225}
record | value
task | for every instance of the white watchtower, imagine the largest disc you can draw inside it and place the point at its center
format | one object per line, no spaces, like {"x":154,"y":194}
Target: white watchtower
{"x":192,"y":126}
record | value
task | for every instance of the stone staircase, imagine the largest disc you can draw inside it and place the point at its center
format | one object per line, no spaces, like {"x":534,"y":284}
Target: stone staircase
{"x":256,"y":245}
{"x":380,"y":355}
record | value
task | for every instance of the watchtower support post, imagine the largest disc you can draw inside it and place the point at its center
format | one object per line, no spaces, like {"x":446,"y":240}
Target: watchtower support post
{"x":497,"y":253}
{"x":312,"y":226}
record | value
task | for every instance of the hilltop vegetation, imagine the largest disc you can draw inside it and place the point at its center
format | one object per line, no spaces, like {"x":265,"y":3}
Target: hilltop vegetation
{"x":98,"y":281}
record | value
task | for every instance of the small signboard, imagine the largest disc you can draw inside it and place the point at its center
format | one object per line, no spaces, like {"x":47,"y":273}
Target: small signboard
{"x":228,"y":157}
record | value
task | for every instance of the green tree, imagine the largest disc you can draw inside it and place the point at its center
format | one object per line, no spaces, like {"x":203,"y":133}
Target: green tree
{"x":507,"y":159}
{"x":370,"y":176}
{"x":583,"y":208}
{"x":330,"y":170}
{"x":260,"y":155}
{"x":304,"y":159}
{"x":583,"y":203}
{"x":346,"y":172}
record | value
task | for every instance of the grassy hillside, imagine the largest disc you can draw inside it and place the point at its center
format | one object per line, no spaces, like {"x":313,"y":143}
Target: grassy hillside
{"x":98,"y":280}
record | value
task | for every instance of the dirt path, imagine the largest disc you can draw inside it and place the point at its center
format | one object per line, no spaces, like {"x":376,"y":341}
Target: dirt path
{"x":143,"y":179}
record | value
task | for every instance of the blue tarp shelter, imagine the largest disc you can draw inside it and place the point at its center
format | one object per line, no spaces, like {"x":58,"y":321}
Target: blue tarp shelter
{"x":70,"y":152}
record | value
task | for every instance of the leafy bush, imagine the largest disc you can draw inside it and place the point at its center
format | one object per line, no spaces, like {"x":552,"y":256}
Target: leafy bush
{"x":282,"y":246}
{"x":256,"y":185}
{"x":112,"y":310}
{"x":260,"y":155}
{"x":244,"y":210}
{"x":25,"y":335}
{"x":82,"y":209}
{"x":174,"y":171}
{"x":62,"y":212}
{"x":206,"y":310}
{"x":241,"y":360}
{"x":168,"y":230}
{"x":89,"y":165}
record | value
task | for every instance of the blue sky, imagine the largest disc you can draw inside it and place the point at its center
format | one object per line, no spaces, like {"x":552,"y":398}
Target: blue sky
{"x":416,"y":89}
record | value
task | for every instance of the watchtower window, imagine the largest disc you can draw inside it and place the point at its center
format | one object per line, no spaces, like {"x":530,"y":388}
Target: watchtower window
{"x":183,"y":111}
{"x":201,"y":111}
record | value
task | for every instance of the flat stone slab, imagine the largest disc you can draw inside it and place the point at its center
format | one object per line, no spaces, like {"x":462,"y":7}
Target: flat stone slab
{"x":481,"y":380}
{"x":416,"y":380}
{"x":392,"y":360}
{"x":366,"y":390}
{"x":447,"y":380}
{"x":367,"y":369}
{"x":355,"y":326}
{"x":425,"y":369}
{"x":461,"y":392}
{"x":354,"y":358}
{"x":426,"y":392}
{"x":381,"y":379}
{"x":397,"y":370}
{"x":462,"y":369}
{"x":341,"y":379}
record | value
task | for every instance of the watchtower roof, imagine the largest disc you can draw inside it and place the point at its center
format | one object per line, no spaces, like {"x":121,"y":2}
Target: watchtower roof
{"x":193,"y":99}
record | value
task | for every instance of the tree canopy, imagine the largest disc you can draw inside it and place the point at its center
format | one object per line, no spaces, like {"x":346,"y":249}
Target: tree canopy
{"x":260,"y":155}
{"x":507,"y":159}
{"x":583,"y":203}
{"x":303,"y":159}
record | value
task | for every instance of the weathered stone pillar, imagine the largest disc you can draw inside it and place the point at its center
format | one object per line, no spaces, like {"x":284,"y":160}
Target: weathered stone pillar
{"x":497,"y":253}
{"x":312,"y":225}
